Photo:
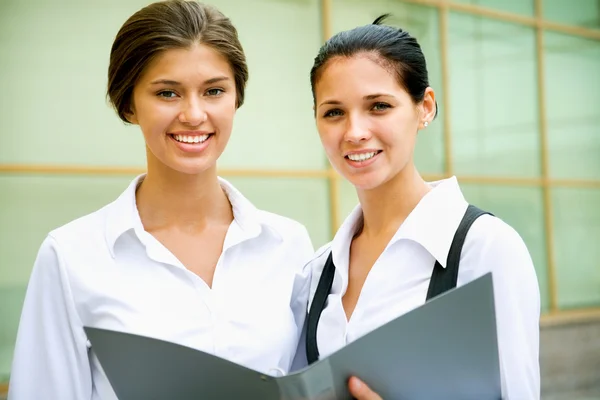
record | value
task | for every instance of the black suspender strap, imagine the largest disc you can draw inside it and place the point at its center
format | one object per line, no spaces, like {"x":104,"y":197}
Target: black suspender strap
{"x":316,"y":308}
{"x":444,"y":279}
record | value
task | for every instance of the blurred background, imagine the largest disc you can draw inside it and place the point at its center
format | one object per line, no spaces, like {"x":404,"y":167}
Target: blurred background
{"x":518,"y":85}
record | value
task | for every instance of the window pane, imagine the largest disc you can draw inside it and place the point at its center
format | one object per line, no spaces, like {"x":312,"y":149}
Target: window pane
{"x":11,"y":302}
{"x":584,"y":13}
{"x":493,"y":90}
{"x":422,"y":23}
{"x":275,"y":128}
{"x":523,"y":7}
{"x":348,"y":199}
{"x":577,"y":250}
{"x":58,"y":112}
{"x":572,"y":97}
{"x":303,"y":199}
{"x":522,"y":208}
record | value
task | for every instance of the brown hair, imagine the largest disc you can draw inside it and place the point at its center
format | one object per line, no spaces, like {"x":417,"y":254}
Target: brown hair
{"x":166,"y":25}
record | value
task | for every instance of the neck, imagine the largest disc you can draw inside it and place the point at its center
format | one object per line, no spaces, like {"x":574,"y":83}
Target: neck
{"x":171,"y":199}
{"x":386,"y":207}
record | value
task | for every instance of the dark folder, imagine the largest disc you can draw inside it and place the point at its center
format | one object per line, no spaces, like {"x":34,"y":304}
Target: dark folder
{"x":445,"y":349}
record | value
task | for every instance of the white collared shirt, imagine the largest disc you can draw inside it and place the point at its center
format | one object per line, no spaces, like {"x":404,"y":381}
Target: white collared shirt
{"x":104,"y":270}
{"x":399,"y":279}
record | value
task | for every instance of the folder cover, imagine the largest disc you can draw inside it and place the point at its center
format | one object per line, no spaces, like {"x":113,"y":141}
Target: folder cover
{"x":445,"y":349}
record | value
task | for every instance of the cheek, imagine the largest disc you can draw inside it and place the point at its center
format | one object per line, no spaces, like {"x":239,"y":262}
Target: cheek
{"x":329,"y":136}
{"x":154,"y":116}
{"x":222,"y":115}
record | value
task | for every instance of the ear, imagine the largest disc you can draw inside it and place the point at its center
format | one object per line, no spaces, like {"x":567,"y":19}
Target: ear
{"x":130,"y":115}
{"x":428,"y":108}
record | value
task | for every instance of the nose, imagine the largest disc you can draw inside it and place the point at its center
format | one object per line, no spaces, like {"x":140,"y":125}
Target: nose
{"x":356,"y":130}
{"x":192,"y":113}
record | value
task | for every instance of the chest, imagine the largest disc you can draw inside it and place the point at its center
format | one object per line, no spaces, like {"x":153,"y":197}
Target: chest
{"x":246,"y":317}
{"x":362,"y":258}
{"x":396,"y":283}
{"x":198,"y":252}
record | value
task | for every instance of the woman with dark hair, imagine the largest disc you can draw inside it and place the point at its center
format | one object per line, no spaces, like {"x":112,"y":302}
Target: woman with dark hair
{"x":371,"y":99}
{"x":181,"y":255}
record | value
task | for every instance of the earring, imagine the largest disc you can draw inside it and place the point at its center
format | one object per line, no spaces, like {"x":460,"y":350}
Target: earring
{"x":425,"y":124}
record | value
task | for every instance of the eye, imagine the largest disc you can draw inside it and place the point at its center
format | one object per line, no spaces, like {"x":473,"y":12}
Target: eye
{"x":381,"y":106}
{"x":167,"y":94}
{"x":214,"y":92}
{"x":336,"y":112}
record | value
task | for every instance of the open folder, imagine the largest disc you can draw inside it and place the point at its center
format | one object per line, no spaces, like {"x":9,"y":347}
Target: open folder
{"x":445,"y":349}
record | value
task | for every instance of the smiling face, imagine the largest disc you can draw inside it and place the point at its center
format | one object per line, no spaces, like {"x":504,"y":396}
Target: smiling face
{"x":184,"y":103}
{"x":366,"y":120}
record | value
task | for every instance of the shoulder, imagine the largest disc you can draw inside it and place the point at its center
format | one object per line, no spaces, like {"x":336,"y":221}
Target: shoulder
{"x":318,"y":260}
{"x":494,"y":246}
{"x":491,"y":234}
{"x":82,"y":229}
{"x":284,"y":226}
{"x":75,"y":239}
{"x":289,"y":230}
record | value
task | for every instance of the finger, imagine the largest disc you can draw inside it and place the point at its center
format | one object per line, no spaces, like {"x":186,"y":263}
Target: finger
{"x":360,"y":391}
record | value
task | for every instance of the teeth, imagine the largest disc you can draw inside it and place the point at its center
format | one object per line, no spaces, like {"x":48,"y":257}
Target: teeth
{"x":361,"y":156}
{"x":190,"y":139}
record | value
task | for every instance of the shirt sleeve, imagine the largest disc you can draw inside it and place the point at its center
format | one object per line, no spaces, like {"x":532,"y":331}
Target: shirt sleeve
{"x":51,"y":355}
{"x":300,"y":298}
{"x":517,"y":300}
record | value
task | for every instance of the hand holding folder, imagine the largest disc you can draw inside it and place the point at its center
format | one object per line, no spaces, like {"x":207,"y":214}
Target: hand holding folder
{"x":445,"y":349}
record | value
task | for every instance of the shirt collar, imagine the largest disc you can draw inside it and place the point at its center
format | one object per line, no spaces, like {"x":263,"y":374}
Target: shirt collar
{"x":123,"y":214}
{"x":432,"y":223}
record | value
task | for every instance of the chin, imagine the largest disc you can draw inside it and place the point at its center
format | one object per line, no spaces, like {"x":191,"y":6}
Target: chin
{"x":192,"y":168}
{"x":365,"y":181}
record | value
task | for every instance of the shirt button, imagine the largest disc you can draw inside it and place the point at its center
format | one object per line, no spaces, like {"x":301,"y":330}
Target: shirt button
{"x":276,"y":372}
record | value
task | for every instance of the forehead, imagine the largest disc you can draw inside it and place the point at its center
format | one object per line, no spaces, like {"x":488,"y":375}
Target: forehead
{"x":362,"y":74}
{"x":197,"y":62}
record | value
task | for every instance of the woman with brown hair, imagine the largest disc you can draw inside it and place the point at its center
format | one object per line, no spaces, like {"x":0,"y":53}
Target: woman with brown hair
{"x":181,"y":255}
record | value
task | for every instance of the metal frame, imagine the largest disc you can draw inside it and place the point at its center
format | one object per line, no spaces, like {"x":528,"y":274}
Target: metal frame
{"x":555,"y":315}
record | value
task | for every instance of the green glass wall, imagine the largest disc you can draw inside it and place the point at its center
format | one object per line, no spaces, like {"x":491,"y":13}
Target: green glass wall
{"x":494,"y":132}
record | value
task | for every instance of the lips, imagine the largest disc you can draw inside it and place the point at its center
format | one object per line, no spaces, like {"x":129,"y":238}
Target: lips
{"x":191,"y":142}
{"x":362,"y":156}
{"x":190,"y":138}
{"x":362,"y":159}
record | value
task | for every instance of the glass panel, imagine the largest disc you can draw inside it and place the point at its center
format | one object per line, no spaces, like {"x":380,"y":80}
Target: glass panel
{"x":303,"y":199}
{"x":583,"y":13}
{"x":576,"y":239}
{"x":30,"y":207}
{"x":348,"y":199}
{"x":523,"y":7}
{"x":572,"y":96}
{"x":57,"y":111}
{"x":277,"y":120}
{"x":422,"y":23}
{"x":522,"y":208}
{"x":495,"y":128}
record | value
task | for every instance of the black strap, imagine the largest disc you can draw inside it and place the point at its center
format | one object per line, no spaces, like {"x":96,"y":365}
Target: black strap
{"x":316,"y":308}
{"x":442,"y":280}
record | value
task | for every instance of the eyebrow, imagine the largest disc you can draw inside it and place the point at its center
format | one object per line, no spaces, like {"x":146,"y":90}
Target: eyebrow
{"x":176,"y":83}
{"x":376,"y":95}
{"x":368,"y":97}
